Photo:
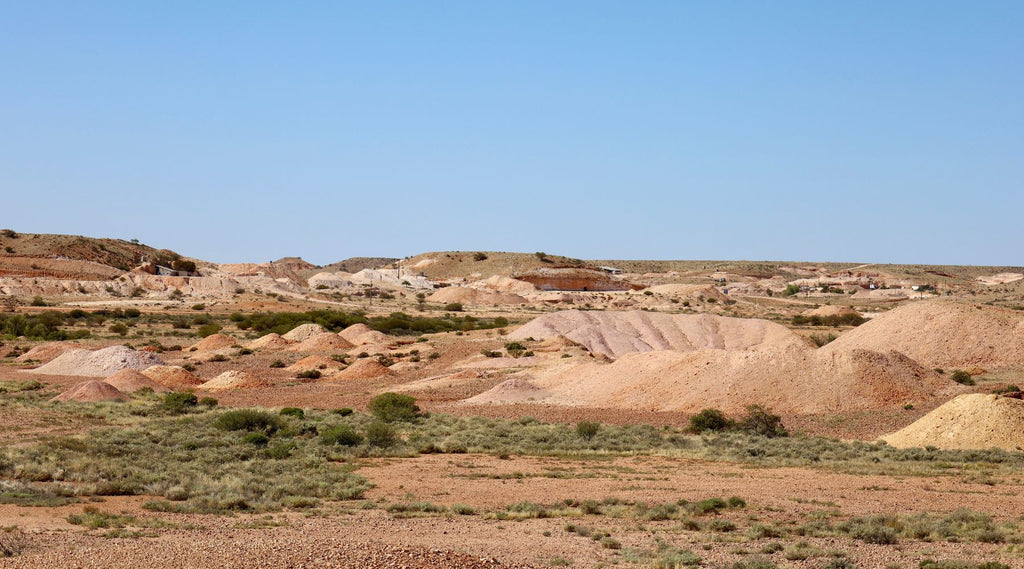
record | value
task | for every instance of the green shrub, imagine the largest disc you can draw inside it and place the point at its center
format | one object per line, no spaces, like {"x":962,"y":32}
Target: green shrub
{"x":962,"y":377}
{"x":390,"y":407}
{"x":37,"y":301}
{"x":249,"y":420}
{"x":380,"y":434}
{"x":119,"y":329}
{"x":761,"y":421}
{"x":208,"y":329}
{"x":790,"y":290}
{"x":515,"y":349}
{"x":208,"y":402}
{"x":586,"y":430}
{"x":277,"y":364}
{"x":179,"y":402}
{"x":453,"y":307}
{"x":309,"y":374}
{"x":293,"y":412}
{"x":343,"y":435}
{"x":709,"y":420}
{"x":256,"y":439}
{"x":344,"y":411}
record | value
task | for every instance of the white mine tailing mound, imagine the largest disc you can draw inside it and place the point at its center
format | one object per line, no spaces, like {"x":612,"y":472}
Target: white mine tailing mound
{"x":304,"y":332}
{"x":615,"y":334}
{"x":361,"y":334}
{"x":100,"y":363}
{"x":973,"y":421}
{"x":1001,"y":278}
{"x":271,"y":341}
{"x":172,"y":377}
{"x":235,"y":379}
{"x":329,"y":280}
{"x":91,"y":391}
{"x":945,"y":334}
{"x":466,"y":295}
{"x":391,"y":278}
{"x":130,"y":381}
{"x":215,"y":342}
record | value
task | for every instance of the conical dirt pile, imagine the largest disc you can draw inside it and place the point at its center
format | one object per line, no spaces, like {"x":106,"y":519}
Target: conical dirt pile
{"x":972,"y":421}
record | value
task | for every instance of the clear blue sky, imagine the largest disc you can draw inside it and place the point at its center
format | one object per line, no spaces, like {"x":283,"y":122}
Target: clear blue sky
{"x":230,"y":131}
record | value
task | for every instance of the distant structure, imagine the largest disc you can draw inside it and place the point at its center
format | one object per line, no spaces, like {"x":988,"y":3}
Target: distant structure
{"x":611,"y":270}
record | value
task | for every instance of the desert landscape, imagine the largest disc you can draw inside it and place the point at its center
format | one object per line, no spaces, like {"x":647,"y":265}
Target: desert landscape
{"x":496,"y":409}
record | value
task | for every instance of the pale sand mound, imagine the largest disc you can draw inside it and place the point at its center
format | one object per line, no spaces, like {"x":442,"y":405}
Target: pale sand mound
{"x":325,"y":342}
{"x":172,"y":377}
{"x":829,"y":310}
{"x":308,"y":363}
{"x":944,"y":334}
{"x":235,"y":379}
{"x":1001,"y":278}
{"x":100,"y":363}
{"x":304,"y":332}
{"x":689,"y":291}
{"x":47,"y":352}
{"x":130,"y":381}
{"x":510,"y":391}
{"x":797,"y":380}
{"x":615,"y":334}
{"x":973,"y":421}
{"x":271,"y":341}
{"x":465,"y":295}
{"x":90,"y":392}
{"x":365,"y":368}
{"x":501,"y":283}
{"x":215,"y":342}
{"x":361,"y":334}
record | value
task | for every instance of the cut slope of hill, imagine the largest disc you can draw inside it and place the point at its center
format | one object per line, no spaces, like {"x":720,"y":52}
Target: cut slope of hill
{"x":615,"y":334}
{"x":73,"y":256}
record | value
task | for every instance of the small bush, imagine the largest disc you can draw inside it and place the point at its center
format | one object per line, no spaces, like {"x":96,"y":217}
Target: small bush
{"x":342,"y":435}
{"x":249,"y":420}
{"x":380,"y":434}
{"x":293,"y":412}
{"x":37,"y":301}
{"x":277,"y":364}
{"x":208,"y":402}
{"x":709,"y":420}
{"x":180,"y":402}
{"x":309,"y":374}
{"x":761,"y":421}
{"x":453,"y":307}
{"x":515,"y":349}
{"x":256,"y":439}
{"x":119,"y":329}
{"x":344,"y":411}
{"x":962,"y":377}
{"x":390,"y":407}
{"x":208,"y":329}
{"x":586,"y":430}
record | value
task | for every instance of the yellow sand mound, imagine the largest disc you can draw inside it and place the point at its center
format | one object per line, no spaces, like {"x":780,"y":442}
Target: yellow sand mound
{"x":325,"y":342}
{"x":513,"y":390}
{"x":235,"y":379}
{"x":304,"y":332}
{"x":473,"y":296}
{"x":270,"y":341}
{"x":973,"y":421}
{"x":91,"y":391}
{"x":365,"y":368}
{"x":172,"y":377}
{"x":47,"y":352}
{"x":361,"y":334}
{"x":215,"y":342}
{"x":325,"y":365}
{"x":130,"y":381}
{"x":944,"y":334}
